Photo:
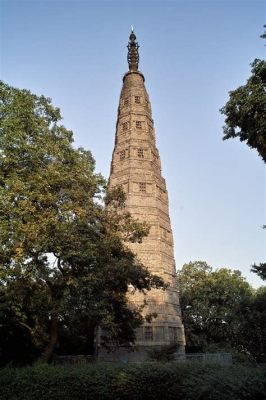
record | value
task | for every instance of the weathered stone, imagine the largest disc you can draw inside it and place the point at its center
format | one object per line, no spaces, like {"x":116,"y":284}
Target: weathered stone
{"x":136,"y":166}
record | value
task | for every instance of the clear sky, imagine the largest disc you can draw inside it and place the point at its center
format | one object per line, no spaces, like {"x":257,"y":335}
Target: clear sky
{"x":191,"y":53}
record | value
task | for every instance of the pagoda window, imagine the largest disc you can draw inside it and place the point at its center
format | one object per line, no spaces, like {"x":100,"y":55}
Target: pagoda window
{"x":148,"y":333}
{"x":142,"y":187}
{"x":126,"y":102}
{"x":122,"y":155}
{"x":137,"y":99}
{"x":139,"y":334}
{"x":173,"y":334}
{"x":139,"y":124}
{"x":140,"y":153}
{"x":159,"y":333}
{"x":125,"y":126}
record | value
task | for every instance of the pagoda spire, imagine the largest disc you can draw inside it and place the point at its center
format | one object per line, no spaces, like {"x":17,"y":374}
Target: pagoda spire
{"x":133,"y":53}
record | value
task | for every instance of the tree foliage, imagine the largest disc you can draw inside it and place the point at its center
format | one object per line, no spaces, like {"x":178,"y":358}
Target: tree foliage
{"x":221,"y":310}
{"x":63,"y":259}
{"x":245,"y":110}
{"x":252,"y":332}
{"x":260,"y":270}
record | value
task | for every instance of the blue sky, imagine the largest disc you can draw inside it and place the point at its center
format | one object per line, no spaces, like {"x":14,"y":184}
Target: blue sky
{"x":191,"y":53}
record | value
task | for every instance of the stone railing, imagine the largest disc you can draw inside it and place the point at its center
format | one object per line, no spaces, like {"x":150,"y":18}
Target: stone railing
{"x":73,"y":360}
{"x":207,"y":358}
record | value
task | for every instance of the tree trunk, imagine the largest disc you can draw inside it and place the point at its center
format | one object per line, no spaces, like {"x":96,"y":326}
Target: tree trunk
{"x":49,"y":350}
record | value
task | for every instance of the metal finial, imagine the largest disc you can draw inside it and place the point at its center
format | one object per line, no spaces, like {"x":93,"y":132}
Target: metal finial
{"x":133,"y":54}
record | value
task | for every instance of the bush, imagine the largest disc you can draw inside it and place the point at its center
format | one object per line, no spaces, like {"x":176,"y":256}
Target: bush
{"x":151,"y":381}
{"x":163,"y":353}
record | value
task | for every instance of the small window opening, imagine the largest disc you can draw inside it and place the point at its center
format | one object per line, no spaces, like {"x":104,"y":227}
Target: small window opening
{"x":148,"y":333}
{"x":142,"y":187}
{"x":140,"y":153}
{"x":173,"y":333}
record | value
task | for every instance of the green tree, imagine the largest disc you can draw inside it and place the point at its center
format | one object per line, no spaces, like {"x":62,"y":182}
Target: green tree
{"x":245,"y":110}
{"x":61,"y":250}
{"x":260,"y":270}
{"x":253,"y":324}
{"x":211,"y":303}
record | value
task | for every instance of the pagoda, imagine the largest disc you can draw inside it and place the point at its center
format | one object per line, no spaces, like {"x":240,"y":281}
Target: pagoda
{"x":136,"y":166}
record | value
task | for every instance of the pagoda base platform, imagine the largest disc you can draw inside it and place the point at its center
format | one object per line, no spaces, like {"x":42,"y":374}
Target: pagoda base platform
{"x":133,"y":354}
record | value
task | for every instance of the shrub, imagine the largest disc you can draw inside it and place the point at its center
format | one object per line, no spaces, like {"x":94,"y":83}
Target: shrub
{"x":163,"y":353}
{"x":169,"y":381}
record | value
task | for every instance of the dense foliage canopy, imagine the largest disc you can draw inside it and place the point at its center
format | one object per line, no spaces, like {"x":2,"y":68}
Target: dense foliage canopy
{"x":222,"y":312}
{"x":245,"y":110}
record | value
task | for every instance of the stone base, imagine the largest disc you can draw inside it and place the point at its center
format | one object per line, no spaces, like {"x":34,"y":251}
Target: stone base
{"x":133,"y":354}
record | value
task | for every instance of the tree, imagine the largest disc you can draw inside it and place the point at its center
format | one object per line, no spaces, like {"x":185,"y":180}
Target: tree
{"x":260,"y":270}
{"x":211,"y":303}
{"x":245,"y":110}
{"x":253,"y":324}
{"x":61,"y":250}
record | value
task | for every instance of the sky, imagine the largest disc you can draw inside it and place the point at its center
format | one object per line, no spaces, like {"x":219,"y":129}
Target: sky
{"x":192,"y":54}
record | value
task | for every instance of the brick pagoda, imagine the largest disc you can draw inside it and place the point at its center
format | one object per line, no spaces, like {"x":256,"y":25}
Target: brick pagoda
{"x":136,"y":166}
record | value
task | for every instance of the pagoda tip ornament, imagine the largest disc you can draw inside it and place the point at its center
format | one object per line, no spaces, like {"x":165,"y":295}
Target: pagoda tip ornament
{"x":133,"y":53}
